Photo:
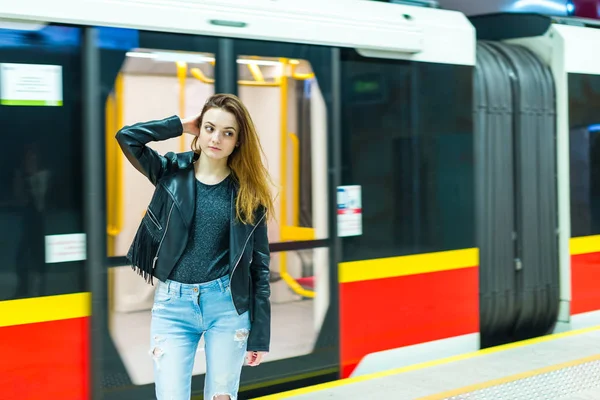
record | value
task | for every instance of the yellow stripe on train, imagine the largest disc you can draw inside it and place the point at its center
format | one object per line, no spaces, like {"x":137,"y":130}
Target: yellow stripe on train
{"x":407,"y":265}
{"x":584,"y":245}
{"x":43,"y":309}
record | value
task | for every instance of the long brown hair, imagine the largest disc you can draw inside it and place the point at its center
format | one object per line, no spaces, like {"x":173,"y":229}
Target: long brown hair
{"x":245,"y":162}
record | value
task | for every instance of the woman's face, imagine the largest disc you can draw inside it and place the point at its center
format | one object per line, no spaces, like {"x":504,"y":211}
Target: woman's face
{"x":219,"y":133}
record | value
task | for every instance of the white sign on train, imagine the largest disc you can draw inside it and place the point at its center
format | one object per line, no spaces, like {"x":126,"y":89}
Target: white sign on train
{"x":31,"y":85}
{"x":349,"y":210}
{"x":65,"y":248}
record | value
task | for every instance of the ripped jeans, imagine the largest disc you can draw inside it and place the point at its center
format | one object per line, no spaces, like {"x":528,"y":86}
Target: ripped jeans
{"x":181,"y":314}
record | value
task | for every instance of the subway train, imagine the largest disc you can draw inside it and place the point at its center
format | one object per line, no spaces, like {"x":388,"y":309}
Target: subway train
{"x":436,"y":177}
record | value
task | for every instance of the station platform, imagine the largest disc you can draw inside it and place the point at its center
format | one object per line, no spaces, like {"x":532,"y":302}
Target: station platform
{"x":563,"y":366}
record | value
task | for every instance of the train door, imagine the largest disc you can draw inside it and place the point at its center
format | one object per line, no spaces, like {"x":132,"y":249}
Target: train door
{"x":144,"y":76}
{"x":288,"y":89}
{"x":149,"y":75}
{"x":43,"y":301}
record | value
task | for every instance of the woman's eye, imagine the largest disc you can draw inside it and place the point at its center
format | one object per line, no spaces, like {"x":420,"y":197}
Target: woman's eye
{"x":208,"y":128}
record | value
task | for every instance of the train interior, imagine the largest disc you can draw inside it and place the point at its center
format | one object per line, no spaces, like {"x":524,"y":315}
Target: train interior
{"x":287,"y":108}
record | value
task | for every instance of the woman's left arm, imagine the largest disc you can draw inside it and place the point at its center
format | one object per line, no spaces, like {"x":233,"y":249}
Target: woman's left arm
{"x":260,"y":333}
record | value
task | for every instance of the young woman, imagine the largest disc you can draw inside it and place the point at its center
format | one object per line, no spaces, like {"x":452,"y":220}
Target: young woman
{"x":204,"y":238}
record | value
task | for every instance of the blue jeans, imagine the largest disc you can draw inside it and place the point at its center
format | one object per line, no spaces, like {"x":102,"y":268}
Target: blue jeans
{"x":181,"y":314}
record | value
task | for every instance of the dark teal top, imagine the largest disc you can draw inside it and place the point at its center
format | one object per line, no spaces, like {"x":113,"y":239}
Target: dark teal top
{"x":206,"y":256}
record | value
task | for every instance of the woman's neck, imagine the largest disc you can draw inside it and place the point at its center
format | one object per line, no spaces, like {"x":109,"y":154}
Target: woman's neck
{"x":210,"y":171}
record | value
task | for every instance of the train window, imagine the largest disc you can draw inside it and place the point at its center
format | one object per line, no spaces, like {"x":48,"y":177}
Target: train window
{"x":408,"y":141}
{"x":42,"y":244}
{"x":289,"y":112}
{"x":584,"y":146}
{"x":288,"y":109}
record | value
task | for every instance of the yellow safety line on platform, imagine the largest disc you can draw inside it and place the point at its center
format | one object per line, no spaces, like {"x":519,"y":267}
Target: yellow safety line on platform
{"x":382,"y":374}
{"x":508,"y":379}
{"x":44,"y":309}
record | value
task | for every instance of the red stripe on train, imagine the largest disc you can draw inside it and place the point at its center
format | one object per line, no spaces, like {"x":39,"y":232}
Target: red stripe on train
{"x":585,"y":281}
{"x":383,"y":314}
{"x":46,"y":360}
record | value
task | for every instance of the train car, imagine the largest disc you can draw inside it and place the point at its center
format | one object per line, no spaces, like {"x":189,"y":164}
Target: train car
{"x":350,"y":102}
{"x":562,"y":46}
{"x":413,"y":220}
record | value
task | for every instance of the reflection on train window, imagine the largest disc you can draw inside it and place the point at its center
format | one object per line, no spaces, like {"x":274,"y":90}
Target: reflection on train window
{"x":584,"y":145}
{"x":42,"y":243}
{"x":410,"y":146}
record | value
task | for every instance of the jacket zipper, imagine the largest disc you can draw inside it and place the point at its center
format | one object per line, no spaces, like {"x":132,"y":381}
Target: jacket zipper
{"x":239,"y":259}
{"x":153,"y":219}
{"x":163,"y":238}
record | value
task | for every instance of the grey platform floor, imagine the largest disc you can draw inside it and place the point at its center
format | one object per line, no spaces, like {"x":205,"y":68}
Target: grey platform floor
{"x":578,"y":380}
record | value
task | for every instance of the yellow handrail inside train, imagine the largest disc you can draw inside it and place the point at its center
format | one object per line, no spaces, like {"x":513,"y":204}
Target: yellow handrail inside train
{"x":114,"y":163}
{"x":109,"y":125}
{"x":295,"y":231}
{"x":300,"y":77}
{"x":283,"y":133}
{"x":182,"y":71}
{"x":120,"y":199}
{"x":295,"y":178}
{"x":285,"y":231}
{"x":256,"y":72}
{"x":198,"y":74}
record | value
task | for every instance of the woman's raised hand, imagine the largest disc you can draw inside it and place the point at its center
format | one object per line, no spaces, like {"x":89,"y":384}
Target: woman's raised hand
{"x":191,"y":125}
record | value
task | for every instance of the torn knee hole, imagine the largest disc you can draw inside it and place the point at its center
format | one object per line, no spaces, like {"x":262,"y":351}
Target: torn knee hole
{"x":221,"y":397}
{"x":157,"y":352}
{"x":241,"y":335}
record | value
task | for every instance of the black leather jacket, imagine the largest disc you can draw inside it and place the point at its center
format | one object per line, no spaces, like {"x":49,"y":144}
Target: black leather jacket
{"x":163,"y":233}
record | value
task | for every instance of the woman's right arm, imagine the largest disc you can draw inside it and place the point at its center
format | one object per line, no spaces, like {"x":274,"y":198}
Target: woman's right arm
{"x":133,"y":139}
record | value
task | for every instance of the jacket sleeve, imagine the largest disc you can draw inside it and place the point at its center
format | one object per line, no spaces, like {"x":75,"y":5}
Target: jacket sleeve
{"x":133,"y":139}
{"x":260,"y":332}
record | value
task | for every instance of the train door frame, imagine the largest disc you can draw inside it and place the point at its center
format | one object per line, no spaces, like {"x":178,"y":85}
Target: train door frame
{"x":93,"y":204}
{"x":99,"y":79}
{"x":286,"y":373}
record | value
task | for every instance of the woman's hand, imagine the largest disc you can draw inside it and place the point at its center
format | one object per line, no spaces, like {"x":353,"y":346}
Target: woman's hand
{"x":254,"y":357}
{"x":191,"y":125}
